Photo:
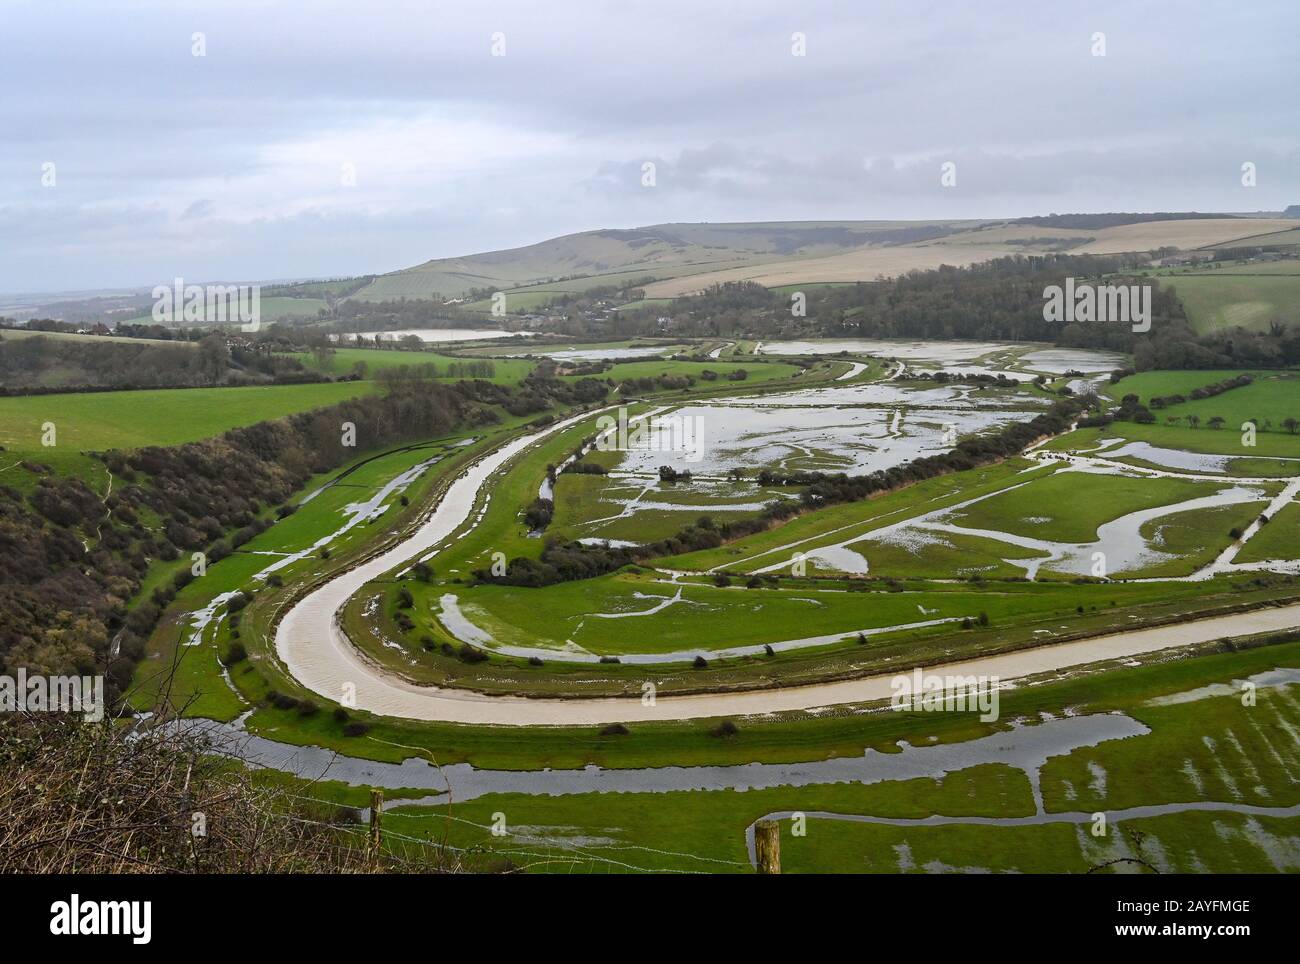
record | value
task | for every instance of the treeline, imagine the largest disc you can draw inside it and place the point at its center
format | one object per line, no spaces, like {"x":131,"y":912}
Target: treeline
{"x":1205,"y":391}
{"x":539,"y":391}
{"x":999,"y":300}
{"x":71,"y":561}
{"x":562,"y":561}
{"x":39,"y":365}
{"x":1111,"y":220}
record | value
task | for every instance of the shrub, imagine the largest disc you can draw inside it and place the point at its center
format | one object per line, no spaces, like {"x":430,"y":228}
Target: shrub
{"x":700,"y":663}
{"x":356,"y":728}
{"x":614,"y":729}
{"x":724,"y":729}
{"x":340,"y":715}
{"x":236,"y":654}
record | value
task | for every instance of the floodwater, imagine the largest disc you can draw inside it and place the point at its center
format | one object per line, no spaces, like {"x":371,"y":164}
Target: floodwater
{"x":942,"y":354}
{"x":1026,"y":747}
{"x":855,"y":430}
{"x":1058,"y":361}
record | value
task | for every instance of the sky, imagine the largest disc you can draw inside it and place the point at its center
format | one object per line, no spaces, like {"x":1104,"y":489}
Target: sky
{"x":245,"y":141}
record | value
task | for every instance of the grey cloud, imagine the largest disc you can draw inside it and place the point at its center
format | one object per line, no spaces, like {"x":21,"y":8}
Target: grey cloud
{"x":739,"y":128}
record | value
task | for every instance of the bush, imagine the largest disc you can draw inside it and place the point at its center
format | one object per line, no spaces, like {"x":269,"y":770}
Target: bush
{"x":721,"y":579}
{"x":615,"y":729}
{"x":700,"y":663}
{"x":236,"y":654}
{"x":724,"y":729}
{"x":340,"y":715}
{"x":468,"y":654}
{"x":356,"y":728}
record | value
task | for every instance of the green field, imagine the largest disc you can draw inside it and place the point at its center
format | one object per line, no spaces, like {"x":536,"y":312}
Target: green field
{"x":1051,"y":508}
{"x":97,"y":421}
{"x":1273,"y":396}
{"x":1223,"y":299}
{"x":509,"y":371}
{"x":1212,"y":748}
{"x":1279,"y":539}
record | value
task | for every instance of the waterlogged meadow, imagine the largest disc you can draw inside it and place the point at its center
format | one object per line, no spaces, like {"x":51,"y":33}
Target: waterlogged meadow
{"x":1097,"y":531}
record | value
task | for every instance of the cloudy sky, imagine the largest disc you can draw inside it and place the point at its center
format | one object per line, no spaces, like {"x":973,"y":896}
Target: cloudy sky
{"x":316,"y":138}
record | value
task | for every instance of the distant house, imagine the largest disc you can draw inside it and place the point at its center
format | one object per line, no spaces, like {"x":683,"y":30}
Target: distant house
{"x":1179,"y":260}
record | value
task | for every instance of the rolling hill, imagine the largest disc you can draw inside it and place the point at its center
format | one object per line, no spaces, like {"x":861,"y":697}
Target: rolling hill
{"x":680,"y":259}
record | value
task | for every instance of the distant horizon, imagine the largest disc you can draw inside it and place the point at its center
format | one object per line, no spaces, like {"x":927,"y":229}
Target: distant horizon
{"x":121,"y":289}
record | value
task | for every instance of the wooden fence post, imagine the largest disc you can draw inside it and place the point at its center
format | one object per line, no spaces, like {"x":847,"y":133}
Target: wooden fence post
{"x":767,"y":846}
{"x":376,"y":820}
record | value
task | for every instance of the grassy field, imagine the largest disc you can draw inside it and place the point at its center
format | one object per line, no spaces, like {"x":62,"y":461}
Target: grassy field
{"x":1248,"y":757}
{"x":1272,"y":396}
{"x":18,"y":333}
{"x":1273,"y":443}
{"x":1223,"y":299}
{"x":1051,"y":508}
{"x":839,"y":523}
{"x":508,"y":371}
{"x":97,"y":421}
{"x":1280,"y":539}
